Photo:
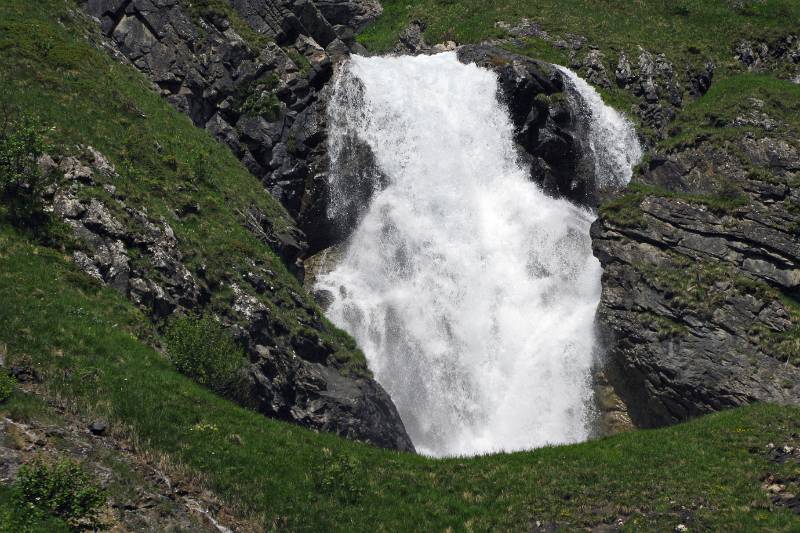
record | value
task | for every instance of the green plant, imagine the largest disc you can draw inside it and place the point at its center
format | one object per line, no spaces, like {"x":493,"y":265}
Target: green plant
{"x":217,"y":11}
{"x":257,"y":98}
{"x":202,"y":349}
{"x":60,"y":488}
{"x":341,"y":477}
{"x":7,"y":384}
{"x":300,"y":60}
{"x":21,"y":145}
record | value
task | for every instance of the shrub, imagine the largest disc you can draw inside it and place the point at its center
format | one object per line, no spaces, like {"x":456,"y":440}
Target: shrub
{"x":21,"y":145}
{"x":200,"y":348}
{"x":257,"y":98}
{"x":341,"y":476}
{"x":61,"y":488}
{"x":6,"y":387}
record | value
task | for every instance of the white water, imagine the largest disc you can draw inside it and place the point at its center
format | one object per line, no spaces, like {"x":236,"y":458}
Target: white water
{"x":471,"y":292}
{"x":613,"y":144}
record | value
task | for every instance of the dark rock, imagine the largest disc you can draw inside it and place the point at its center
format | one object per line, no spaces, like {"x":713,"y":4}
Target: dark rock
{"x":780,"y":56}
{"x":354,"y":14}
{"x":691,"y":310}
{"x":666,"y":173}
{"x":317,"y":396}
{"x":98,"y":427}
{"x":25,"y":374}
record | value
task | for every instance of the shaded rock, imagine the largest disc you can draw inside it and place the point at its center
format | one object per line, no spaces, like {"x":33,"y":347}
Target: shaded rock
{"x":693,"y":309}
{"x":411,"y":40}
{"x":354,"y":14}
{"x":98,"y":427}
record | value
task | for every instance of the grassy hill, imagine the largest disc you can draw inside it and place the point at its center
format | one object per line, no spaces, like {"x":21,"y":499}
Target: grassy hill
{"x":55,"y":71}
{"x":93,"y":350}
{"x":83,"y":341}
{"x":707,"y":28}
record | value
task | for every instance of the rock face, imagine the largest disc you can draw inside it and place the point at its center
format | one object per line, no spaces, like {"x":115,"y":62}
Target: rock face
{"x":294,"y":375}
{"x":780,"y":56}
{"x":252,"y":76}
{"x":255,"y":77}
{"x":700,"y":305}
{"x":353,"y":14}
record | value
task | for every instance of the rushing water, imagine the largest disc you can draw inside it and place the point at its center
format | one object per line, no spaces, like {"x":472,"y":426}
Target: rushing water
{"x":471,"y":292}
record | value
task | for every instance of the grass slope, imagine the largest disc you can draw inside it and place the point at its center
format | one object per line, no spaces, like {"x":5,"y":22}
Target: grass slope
{"x":707,"y":27}
{"x":50,"y":69}
{"x":712,"y":116}
{"x":83,"y":340}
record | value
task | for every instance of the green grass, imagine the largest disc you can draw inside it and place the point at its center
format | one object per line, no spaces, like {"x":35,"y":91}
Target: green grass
{"x":625,"y":210}
{"x":16,"y":520}
{"x":165,"y":162}
{"x":83,"y":340}
{"x":712,"y":117}
{"x":678,"y":29}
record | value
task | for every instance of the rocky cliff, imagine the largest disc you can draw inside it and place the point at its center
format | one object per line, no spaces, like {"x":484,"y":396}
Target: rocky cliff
{"x":699,"y":301}
{"x":702,"y":271}
{"x":700,"y":308}
{"x":251,"y":73}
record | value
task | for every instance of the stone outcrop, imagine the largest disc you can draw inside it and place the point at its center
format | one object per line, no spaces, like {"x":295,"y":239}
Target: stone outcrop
{"x":779,"y":56}
{"x":354,"y":14}
{"x":256,"y":89}
{"x":700,"y":307}
{"x":147,"y":497}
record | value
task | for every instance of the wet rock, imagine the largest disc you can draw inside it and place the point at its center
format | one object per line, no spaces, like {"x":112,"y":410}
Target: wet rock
{"x":548,"y":128}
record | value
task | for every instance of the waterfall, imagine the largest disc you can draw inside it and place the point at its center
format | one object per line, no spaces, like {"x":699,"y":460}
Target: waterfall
{"x":613,"y":144}
{"x":471,"y":292}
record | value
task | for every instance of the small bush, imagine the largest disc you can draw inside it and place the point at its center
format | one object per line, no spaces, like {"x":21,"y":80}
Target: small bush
{"x":200,"y":348}
{"x":257,"y":98}
{"x":60,"y":488}
{"x":21,"y":182}
{"x":7,"y":384}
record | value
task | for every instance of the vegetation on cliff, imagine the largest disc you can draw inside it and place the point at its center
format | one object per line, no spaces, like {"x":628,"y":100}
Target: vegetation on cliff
{"x":53,"y":73}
